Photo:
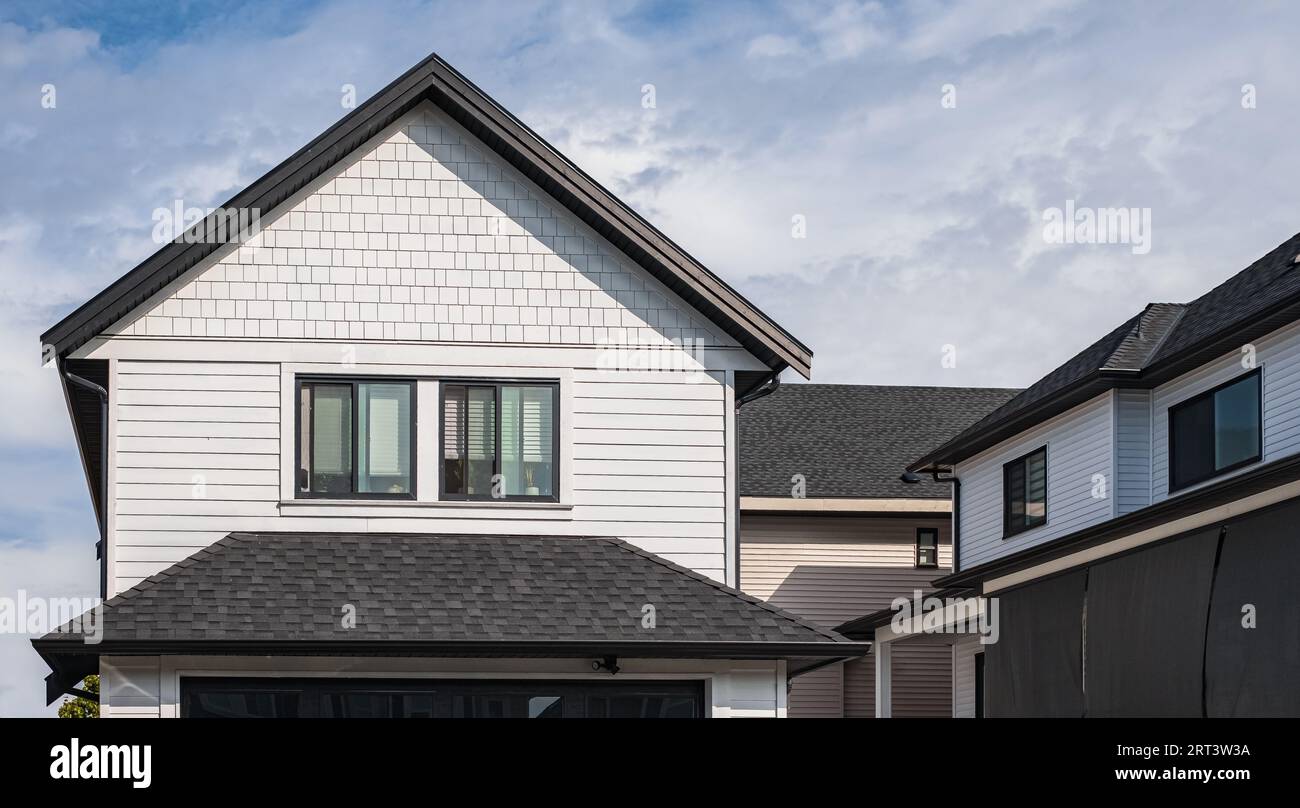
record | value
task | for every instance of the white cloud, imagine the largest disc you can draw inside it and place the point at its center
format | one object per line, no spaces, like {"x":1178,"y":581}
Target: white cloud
{"x":924,"y":223}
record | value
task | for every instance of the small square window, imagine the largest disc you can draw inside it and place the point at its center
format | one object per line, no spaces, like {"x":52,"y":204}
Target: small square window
{"x":356,"y":439}
{"x":499,"y":441}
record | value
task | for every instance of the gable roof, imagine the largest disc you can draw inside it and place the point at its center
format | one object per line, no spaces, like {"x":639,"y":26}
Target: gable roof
{"x":435,"y":81}
{"x":1162,"y":342}
{"x":852,"y":440}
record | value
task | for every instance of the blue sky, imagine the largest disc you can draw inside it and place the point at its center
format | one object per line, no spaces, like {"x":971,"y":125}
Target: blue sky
{"x":924,"y":222}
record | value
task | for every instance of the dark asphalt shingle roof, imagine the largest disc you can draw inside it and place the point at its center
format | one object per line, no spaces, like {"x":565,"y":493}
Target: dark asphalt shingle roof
{"x":1161,"y":333}
{"x":852,"y":440}
{"x":437,"y":588}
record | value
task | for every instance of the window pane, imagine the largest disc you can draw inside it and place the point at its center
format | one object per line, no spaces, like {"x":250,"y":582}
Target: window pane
{"x":384,"y":443}
{"x":1236,"y":423}
{"x":1036,"y":488}
{"x":526,"y":440}
{"x":1015,"y":484}
{"x":327,"y":443}
{"x":1191,"y":450}
{"x":454,"y":451}
{"x":480,"y":440}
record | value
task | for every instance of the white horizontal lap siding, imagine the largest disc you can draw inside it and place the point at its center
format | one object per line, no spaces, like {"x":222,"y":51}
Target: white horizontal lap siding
{"x":1278,"y":354}
{"x":650,"y":458}
{"x":197,"y":446}
{"x":199,"y":454}
{"x":1132,"y":485}
{"x":1079,"y":445}
{"x":963,"y":676}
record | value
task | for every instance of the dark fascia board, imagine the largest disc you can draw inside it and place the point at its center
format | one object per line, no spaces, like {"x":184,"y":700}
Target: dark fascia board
{"x":866,"y":625}
{"x":1267,"y":476}
{"x":1226,"y":340}
{"x":61,"y":648}
{"x":1090,"y":386}
{"x":435,"y":80}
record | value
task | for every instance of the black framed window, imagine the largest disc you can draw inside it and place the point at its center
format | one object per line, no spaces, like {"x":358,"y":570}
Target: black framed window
{"x":500,"y":441}
{"x":927,"y":547}
{"x":1024,"y":492}
{"x":356,"y":438}
{"x":979,"y":685}
{"x":1215,"y":432}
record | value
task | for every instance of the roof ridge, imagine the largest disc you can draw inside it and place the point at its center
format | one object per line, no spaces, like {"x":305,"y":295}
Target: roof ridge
{"x":736,"y":593}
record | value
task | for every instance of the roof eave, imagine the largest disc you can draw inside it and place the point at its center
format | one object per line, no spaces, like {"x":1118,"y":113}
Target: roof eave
{"x":59,"y":648}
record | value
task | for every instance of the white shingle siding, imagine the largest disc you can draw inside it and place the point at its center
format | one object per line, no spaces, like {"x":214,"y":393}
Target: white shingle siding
{"x":423,"y":257}
{"x":1132,"y":450}
{"x":425,"y":236}
{"x":1079,"y":444}
{"x":1279,"y":356}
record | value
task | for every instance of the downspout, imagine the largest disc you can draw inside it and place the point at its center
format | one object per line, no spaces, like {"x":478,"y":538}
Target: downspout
{"x":101,"y":548}
{"x":765,"y":388}
{"x":956,"y":519}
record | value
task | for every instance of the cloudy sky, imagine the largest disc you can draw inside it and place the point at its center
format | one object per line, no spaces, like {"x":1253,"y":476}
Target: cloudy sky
{"x":921,"y":143}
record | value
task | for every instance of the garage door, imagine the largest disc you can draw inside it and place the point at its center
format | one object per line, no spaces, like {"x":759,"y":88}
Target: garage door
{"x":401,"y":698}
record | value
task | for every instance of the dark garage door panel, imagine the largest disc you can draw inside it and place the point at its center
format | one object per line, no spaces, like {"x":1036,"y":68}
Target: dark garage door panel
{"x":261,"y":697}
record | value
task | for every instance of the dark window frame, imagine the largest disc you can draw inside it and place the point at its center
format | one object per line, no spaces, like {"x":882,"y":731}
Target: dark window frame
{"x":1258,"y":375}
{"x":929,"y":531}
{"x":1008,"y":530}
{"x":355,"y":382}
{"x":498,"y":383}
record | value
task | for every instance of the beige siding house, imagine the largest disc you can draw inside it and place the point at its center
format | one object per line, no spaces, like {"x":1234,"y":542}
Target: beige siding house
{"x":829,"y":531}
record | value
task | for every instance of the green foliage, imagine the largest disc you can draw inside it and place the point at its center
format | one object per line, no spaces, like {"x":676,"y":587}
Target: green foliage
{"x":82,"y":707}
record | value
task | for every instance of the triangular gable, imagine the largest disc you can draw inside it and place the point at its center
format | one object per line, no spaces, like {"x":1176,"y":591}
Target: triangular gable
{"x":424,"y":234}
{"x":434,"y":81}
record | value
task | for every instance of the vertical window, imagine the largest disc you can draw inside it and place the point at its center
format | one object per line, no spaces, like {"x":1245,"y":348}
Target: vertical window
{"x":499,"y":441}
{"x":927,"y":547}
{"x":1024,"y":492}
{"x":1215,"y":432}
{"x":356,"y":439}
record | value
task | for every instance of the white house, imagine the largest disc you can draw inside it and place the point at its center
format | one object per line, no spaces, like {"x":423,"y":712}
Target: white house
{"x":451,"y":433}
{"x":1132,"y":515}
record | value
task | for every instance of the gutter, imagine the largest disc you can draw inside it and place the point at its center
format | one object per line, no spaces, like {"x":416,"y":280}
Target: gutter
{"x":764,"y":388}
{"x":101,"y":547}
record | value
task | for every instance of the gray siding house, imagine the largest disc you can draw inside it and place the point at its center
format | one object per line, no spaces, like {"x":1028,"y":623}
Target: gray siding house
{"x":452,"y":433}
{"x":1133,"y":516}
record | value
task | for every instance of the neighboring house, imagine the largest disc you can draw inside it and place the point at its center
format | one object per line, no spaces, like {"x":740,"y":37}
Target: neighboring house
{"x":829,"y":531}
{"x":1133,"y":514}
{"x":452,"y":434}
